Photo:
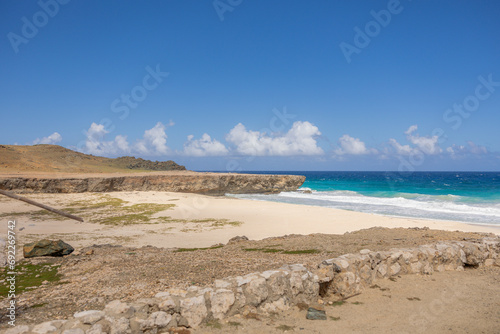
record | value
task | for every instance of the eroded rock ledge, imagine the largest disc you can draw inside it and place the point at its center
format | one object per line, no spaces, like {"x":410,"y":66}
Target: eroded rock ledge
{"x":272,"y":290}
{"x":190,"y":182}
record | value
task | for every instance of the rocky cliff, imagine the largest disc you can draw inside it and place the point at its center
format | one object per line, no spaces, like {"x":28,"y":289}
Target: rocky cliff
{"x":202,"y":183}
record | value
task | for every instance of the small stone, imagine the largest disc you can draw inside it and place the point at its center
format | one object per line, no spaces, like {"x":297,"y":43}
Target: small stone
{"x":237,"y":239}
{"x":314,"y":314}
{"x":89,"y":252}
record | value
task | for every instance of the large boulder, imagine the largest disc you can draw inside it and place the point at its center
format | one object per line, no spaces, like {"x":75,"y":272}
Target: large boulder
{"x":47,"y":247}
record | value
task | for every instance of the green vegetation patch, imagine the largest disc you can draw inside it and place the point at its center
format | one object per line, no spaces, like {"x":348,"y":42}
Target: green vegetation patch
{"x":303,"y":251}
{"x":28,"y":276}
{"x":180,"y":250}
{"x":338,"y":303}
{"x":285,"y":328}
{"x":214,"y":324}
{"x":282,"y":251}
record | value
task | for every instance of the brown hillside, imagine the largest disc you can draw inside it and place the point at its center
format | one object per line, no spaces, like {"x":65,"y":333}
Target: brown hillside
{"x":54,"y":158}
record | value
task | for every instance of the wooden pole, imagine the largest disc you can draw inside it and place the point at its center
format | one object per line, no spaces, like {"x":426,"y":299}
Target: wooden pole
{"x":43,"y":206}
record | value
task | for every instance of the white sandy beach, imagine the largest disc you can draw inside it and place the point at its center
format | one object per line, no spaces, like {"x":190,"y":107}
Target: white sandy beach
{"x":258,"y":220}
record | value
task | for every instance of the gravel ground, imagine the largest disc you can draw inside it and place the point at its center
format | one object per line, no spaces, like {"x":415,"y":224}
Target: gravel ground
{"x":94,"y":276}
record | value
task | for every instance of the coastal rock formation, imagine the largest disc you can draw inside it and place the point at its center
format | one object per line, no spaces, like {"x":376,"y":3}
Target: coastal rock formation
{"x":202,"y":183}
{"x":274,"y":290}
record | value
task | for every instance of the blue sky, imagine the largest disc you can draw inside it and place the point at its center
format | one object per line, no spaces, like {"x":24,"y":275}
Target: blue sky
{"x":257,"y":85}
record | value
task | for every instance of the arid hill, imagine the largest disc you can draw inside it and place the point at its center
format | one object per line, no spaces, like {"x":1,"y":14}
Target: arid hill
{"x":54,"y":158}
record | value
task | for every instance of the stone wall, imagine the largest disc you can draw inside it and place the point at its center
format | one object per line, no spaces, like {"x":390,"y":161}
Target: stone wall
{"x":273,"y":290}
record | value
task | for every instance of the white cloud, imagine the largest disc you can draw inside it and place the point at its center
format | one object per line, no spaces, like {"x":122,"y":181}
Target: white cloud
{"x":401,"y":149}
{"x":299,"y":140}
{"x":154,"y":142}
{"x":96,"y":145}
{"x":460,"y":151}
{"x":52,"y":139}
{"x":426,"y":145}
{"x":205,"y":146}
{"x":354,"y":146}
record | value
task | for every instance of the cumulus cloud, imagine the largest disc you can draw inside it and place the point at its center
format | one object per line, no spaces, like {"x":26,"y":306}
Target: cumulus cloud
{"x":52,"y":139}
{"x":205,"y":146}
{"x":426,"y":145}
{"x":154,"y":142}
{"x":299,"y":140}
{"x":354,"y":146}
{"x":401,"y":149}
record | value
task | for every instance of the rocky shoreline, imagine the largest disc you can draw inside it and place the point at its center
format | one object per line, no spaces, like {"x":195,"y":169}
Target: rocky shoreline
{"x":187,"y":182}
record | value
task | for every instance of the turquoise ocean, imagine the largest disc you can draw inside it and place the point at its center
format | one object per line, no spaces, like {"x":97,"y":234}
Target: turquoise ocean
{"x":471,"y":197}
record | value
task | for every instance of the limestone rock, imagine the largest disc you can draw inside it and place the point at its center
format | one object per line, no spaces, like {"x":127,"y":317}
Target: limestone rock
{"x":74,"y":331}
{"x":47,"y":247}
{"x":119,"y":326}
{"x":118,"y":308}
{"x":194,"y":310}
{"x":89,"y":317}
{"x":19,"y":329}
{"x":221,"y":301}
{"x":44,"y":327}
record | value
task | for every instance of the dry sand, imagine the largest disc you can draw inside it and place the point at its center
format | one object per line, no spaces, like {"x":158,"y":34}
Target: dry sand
{"x":258,"y":220}
{"x":454,"y":302}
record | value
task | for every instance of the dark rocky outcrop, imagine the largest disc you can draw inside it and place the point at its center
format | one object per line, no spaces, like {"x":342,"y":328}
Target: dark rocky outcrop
{"x":202,"y":183}
{"x":47,"y":247}
{"x":139,"y":163}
